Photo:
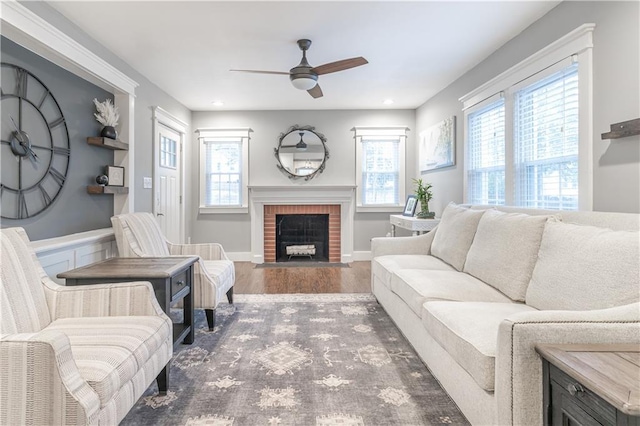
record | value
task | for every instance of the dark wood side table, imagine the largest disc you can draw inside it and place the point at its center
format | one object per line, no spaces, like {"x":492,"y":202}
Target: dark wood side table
{"x":591,"y":384}
{"x":171,"y":278}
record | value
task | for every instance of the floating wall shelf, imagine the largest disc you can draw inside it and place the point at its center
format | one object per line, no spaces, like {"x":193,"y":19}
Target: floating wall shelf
{"x":108,"y":143}
{"x":623,"y":129}
{"x":98,"y":189}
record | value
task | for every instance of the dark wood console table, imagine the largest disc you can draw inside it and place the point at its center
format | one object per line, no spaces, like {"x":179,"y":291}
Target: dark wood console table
{"x":171,"y":278}
{"x":591,"y":384}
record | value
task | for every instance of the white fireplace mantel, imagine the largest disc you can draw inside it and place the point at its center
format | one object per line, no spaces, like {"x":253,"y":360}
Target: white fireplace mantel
{"x":344,"y":195}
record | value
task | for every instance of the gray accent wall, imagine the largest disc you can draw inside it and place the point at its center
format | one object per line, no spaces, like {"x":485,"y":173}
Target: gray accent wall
{"x":616,"y":97}
{"x":233,"y":230}
{"x":74,"y":210}
{"x":147,"y":94}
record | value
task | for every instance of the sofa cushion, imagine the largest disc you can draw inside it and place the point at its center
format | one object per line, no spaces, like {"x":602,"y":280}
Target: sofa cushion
{"x":584,"y":267}
{"x":468,"y":331}
{"x":455,"y":234}
{"x":384,"y":267}
{"x":415,"y":287}
{"x":504,"y":251}
{"x":109,"y":351}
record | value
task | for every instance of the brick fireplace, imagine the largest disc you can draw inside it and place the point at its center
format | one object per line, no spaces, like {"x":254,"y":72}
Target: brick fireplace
{"x":333,"y":210}
{"x":338,"y":201}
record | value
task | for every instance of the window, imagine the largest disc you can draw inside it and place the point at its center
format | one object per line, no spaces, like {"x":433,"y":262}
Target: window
{"x":380,"y":168}
{"x":546,"y":142}
{"x":529,"y":131}
{"x":168,"y":153}
{"x":486,"y":156}
{"x":223,"y":171}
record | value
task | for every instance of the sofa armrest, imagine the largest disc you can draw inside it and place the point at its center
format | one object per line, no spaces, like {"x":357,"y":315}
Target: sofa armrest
{"x":99,"y":300}
{"x":519,"y":367}
{"x":207,"y":251}
{"x":41,"y":371}
{"x":421,"y":244}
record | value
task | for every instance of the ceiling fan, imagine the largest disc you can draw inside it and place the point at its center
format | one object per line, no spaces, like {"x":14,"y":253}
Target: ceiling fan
{"x":305,"y":77}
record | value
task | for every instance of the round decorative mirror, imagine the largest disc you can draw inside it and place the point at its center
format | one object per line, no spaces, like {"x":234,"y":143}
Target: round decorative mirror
{"x":301,"y":152}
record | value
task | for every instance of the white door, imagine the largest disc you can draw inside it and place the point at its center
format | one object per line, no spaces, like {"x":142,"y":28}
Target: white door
{"x":168,"y":197}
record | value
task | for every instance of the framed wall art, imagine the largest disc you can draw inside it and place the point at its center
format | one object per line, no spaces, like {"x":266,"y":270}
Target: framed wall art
{"x":437,"y":146}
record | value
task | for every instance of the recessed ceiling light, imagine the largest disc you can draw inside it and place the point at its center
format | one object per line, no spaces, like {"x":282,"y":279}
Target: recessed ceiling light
{"x":217,"y":103}
{"x":388,"y":101}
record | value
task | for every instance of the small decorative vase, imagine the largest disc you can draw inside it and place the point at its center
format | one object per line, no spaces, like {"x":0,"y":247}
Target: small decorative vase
{"x":102,"y":180}
{"x":109,"y":132}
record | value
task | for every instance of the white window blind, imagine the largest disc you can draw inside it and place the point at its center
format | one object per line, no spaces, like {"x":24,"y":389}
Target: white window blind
{"x":486,"y":155}
{"x":546,"y":141}
{"x":223,"y":173}
{"x":380,"y":171}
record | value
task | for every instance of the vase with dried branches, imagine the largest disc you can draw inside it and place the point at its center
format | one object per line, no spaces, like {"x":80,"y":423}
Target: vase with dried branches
{"x":107,"y":115}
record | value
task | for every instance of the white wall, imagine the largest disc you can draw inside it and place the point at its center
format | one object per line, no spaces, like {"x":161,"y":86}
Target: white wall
{"x":616,"y":89}
{"x":233,"y":231}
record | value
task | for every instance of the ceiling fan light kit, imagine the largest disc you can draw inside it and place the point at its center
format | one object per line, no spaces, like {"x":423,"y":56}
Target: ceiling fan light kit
{"x":305,"y":77}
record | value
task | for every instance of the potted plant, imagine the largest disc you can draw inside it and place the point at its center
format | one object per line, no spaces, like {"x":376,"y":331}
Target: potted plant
{"x":424,"y":195}
{"x":108,"y":116}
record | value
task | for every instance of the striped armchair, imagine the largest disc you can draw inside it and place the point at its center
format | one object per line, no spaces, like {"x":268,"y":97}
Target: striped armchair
{"x":74,"y":355}
{"x":138,"y":235}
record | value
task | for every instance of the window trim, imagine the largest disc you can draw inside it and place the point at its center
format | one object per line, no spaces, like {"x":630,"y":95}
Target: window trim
{"x":206,"y":134}
{"x":574,"y":46}
{"x":399,"y":132}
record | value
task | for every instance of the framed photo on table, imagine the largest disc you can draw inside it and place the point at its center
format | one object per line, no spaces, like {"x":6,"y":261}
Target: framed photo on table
{"x":115,"y":175}
{"x":410,"y":206}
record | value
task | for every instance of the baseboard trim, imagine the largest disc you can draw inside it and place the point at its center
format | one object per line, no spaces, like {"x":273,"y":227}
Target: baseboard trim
{"x":361,"y":256}
{"x":239,"y":256}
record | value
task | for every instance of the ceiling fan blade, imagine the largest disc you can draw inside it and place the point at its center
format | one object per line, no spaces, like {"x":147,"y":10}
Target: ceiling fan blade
{"x":316,"y":91}
{"x":342,"y":65}
{"x":263,"y":72}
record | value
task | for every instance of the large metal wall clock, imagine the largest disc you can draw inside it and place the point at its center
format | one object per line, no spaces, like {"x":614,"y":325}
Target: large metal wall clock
{"x":35,"y":149}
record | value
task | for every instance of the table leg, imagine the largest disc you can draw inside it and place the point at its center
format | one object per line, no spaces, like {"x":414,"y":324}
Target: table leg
{"x":415,"y":233}
{"x":188,"y":310}
{"x":393,"y":230}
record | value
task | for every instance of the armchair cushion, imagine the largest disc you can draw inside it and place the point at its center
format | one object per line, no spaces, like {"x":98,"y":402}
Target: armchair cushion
{"x":109,"y":351}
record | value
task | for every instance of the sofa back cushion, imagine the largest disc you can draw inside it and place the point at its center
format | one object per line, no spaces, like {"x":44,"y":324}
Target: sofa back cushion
{"x":584,"y":267}
{"x":455,"y":234}
{"x":23,"y":305}
{"x":138,"y":234}
{"x":504,"y":251}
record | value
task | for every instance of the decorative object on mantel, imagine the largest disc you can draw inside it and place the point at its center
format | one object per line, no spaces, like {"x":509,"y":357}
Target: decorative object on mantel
{"x":108,"y":116}
{"x":437,"y":147}
{"x":623,"y":129}
{"x":102,"y":180}
{"x":424,"y":195}
{"x":301,"y":152}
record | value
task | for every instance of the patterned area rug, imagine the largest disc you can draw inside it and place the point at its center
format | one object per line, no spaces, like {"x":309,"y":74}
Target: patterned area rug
{"x":298,"y":360}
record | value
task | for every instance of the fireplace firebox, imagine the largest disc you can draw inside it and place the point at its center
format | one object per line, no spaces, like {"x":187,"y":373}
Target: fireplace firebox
{"x":302,"y":237}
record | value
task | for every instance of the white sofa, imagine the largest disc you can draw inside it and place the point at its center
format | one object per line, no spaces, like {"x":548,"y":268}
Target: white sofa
{"x":478,"y":292}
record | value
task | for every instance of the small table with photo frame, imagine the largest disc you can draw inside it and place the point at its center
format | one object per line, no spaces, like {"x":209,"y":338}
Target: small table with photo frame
{"x":413,"y":224}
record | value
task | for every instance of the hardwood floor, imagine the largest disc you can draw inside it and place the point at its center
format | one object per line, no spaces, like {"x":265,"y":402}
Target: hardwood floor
{"x":251,"y":280}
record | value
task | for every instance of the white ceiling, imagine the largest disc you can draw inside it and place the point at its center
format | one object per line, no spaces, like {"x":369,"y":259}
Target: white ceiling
{"x":414,"y":49}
